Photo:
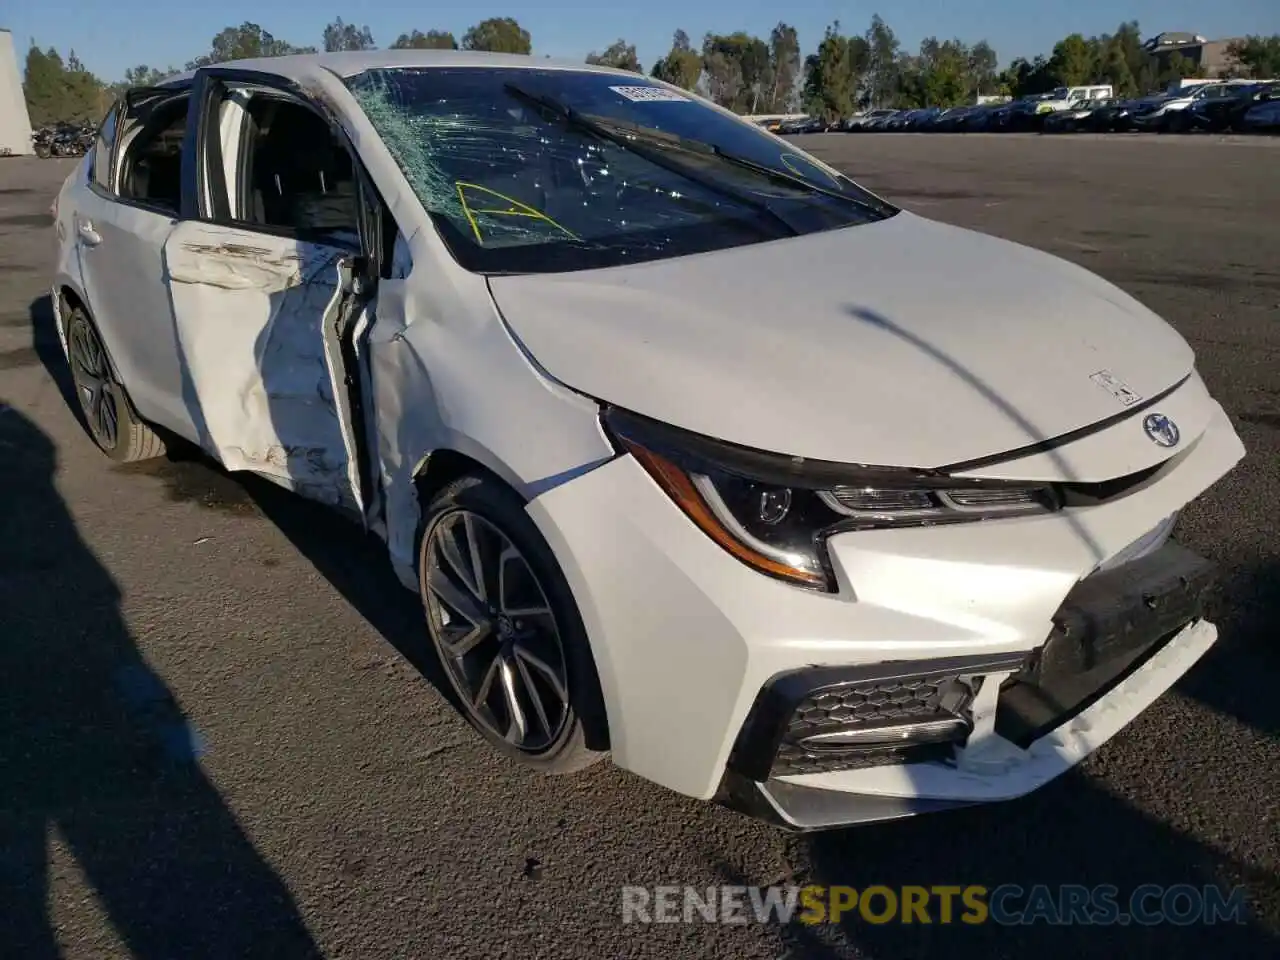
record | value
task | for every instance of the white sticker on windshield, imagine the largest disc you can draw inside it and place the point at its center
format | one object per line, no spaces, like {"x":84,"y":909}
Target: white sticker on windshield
{"x":650,"y":94}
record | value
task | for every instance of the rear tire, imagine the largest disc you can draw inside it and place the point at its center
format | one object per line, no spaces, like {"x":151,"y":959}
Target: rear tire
{"x":108,"y":415}
{"x":506,"y":629}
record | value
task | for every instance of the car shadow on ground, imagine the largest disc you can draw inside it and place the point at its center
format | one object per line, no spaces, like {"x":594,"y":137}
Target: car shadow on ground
{"x":1069,"y":834}
{"x":97,"y":758}
{"x":354,"y":562}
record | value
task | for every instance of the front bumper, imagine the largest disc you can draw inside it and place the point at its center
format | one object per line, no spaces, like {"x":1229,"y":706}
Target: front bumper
{"x":1120,"y":638}
{"x":685,"y":637}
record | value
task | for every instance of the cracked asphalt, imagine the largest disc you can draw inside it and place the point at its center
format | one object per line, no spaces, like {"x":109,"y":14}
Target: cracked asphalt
{"x":221,"y":735}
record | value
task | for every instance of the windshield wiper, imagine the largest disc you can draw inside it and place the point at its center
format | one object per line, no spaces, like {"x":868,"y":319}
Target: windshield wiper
{"x":628,"y":142}
{"x":701,"y":148}
{"x":795,"y":180}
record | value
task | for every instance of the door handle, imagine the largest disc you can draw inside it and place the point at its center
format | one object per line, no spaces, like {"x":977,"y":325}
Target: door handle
{"x":87,"y":234}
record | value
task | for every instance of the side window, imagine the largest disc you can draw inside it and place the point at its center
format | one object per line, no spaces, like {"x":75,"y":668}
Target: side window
{"x":150,"y":165}
{"x":102,"y":147}
{"x":294,"y":173}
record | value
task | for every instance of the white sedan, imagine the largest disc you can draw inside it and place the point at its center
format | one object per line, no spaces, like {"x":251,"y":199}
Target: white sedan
{"x":697,"y":452}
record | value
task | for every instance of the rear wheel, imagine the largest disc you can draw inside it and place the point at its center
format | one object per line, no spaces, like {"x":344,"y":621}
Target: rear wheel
{"x":108,"y":415}
{"x":506,"y":629}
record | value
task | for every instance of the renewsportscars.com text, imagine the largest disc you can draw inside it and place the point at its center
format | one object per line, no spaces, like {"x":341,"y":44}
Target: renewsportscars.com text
{"x":1007,"y":904}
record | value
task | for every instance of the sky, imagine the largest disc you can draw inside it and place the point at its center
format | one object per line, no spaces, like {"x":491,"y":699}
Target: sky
{"x":111,"y":35}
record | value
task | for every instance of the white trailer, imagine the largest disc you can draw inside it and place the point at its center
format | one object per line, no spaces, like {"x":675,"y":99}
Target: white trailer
{"x":15,"y":125}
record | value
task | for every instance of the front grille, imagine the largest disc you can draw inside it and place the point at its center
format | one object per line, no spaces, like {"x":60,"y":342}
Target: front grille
{"x":865,"y":707}
{"x":822,"y":718}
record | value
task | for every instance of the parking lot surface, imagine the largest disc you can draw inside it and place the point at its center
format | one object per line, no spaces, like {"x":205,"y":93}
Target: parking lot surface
{"x":220,"y":734}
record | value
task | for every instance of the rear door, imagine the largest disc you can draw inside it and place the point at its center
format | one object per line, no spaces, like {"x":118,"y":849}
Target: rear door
{"x":267,"y":282}
{"x":121,"y":222}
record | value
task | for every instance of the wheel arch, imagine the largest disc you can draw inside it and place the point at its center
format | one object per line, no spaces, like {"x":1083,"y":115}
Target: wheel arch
{"x":442,"y":466}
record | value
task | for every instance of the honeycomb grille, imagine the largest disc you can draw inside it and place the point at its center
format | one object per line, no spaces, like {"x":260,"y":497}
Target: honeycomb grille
{"x":872,"y":704}
{"x":794,"y":760}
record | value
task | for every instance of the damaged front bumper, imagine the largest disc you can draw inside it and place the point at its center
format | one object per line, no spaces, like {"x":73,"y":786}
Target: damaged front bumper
{"x":1119,"y":640}
{"x":685,"y":636}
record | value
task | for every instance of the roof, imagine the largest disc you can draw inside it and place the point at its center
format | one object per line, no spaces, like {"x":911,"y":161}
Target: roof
{"x":303,"y":66}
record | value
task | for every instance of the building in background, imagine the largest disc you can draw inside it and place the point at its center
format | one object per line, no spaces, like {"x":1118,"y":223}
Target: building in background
{"x":15,"y":125}
{"x":1210,"y":56}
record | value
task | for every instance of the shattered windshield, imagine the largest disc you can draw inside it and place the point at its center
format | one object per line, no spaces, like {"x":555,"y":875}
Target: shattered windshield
{"x":537,"y":171}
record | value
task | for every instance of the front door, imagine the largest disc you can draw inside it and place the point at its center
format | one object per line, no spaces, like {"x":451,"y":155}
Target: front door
{"x":258,"y":319}
{"x":266,"y":281}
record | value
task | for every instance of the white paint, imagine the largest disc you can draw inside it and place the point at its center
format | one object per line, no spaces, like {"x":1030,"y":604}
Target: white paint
{"x":887,"y":343}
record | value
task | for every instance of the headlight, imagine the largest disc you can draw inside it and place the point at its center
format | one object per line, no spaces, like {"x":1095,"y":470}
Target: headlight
{"x":775,"y":513}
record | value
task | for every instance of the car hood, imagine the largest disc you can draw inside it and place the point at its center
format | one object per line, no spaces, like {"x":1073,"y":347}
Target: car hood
{"x":905,"y":342}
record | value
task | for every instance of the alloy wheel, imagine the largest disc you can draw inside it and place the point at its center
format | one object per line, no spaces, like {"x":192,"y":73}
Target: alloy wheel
{"x":495,"y":631}
{"x":93,"y":383}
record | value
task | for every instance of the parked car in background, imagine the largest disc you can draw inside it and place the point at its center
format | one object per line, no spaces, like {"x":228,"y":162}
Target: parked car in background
{"x":1262,"y":117}
{"x":1076,"y":117}
{"x":1217,"y":114}
{"x":1064,"y":98}
{"x":1168,"y":112}
{"x":868,"y":120}
{"x":1114,"y":117}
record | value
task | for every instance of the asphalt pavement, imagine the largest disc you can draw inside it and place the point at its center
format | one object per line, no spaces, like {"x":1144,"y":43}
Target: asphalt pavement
{"x":221,"y":733}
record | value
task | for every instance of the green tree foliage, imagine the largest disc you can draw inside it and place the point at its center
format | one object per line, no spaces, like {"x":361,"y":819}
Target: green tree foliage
{"x":830,"y":76}
{"x":1257,"y":56}
{"x":618,"y":54}
{"x":682,"y":66}
{"x":784,"y":67}
{"x":1072,"y":63}
{"x":982,"y":67}
{"x":347,"y":36}
{"x":245,"y":42}
{"x":145,"y":76}
{"x":431,"y":40}
{"x":882,"y":63}
{"x":738,"y":69}
{"x":499,"y":35}
{"x":59,"y":91}
{"x":1177,"y":67}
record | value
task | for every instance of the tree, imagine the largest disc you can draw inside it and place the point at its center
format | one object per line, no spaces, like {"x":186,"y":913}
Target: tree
{"x":498,"y":35}
{"x":618,"y":54}
{"x":784,"y":66}
{"x":738,"y":70}
{"x":245,"y":42}
{"x":723,"y":78}
{"x":1258,"y":56}
{"x":882,"y":62}
{"x":682,"y":66}
{"x":982,"y":67}
{"x":833,"y":74}
{"x":347,"y":36}
{"x":57,"y":91}
{"x":1071,"y":63}
{"x":145,"y":76}
{"x":44,"y":86}
{"x":431,"y":40}
{"x":1177,"y":67}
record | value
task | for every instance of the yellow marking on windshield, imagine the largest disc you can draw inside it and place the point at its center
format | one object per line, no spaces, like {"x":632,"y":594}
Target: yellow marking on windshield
{"x":470,"y":219}
{"x":788,"y":157}
{"x":516,"y":209}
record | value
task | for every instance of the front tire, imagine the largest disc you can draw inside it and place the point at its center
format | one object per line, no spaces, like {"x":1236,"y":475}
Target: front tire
{"x":506,"y":629}
{"x":108,"y":414}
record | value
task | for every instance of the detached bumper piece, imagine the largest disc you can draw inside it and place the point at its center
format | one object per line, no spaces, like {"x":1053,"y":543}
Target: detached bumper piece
{"x":1109,"y":624}
{"x":825,"y":719}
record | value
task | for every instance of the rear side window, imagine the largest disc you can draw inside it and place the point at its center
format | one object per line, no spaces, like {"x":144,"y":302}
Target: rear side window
{"x":102,"y":148}
{"x":150,"y":166}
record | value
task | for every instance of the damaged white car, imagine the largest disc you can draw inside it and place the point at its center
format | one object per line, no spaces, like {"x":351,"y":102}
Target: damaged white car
{"x":697,"y":452}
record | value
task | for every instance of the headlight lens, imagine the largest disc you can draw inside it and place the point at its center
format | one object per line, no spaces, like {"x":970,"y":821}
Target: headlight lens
{"x":774,"y":513}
